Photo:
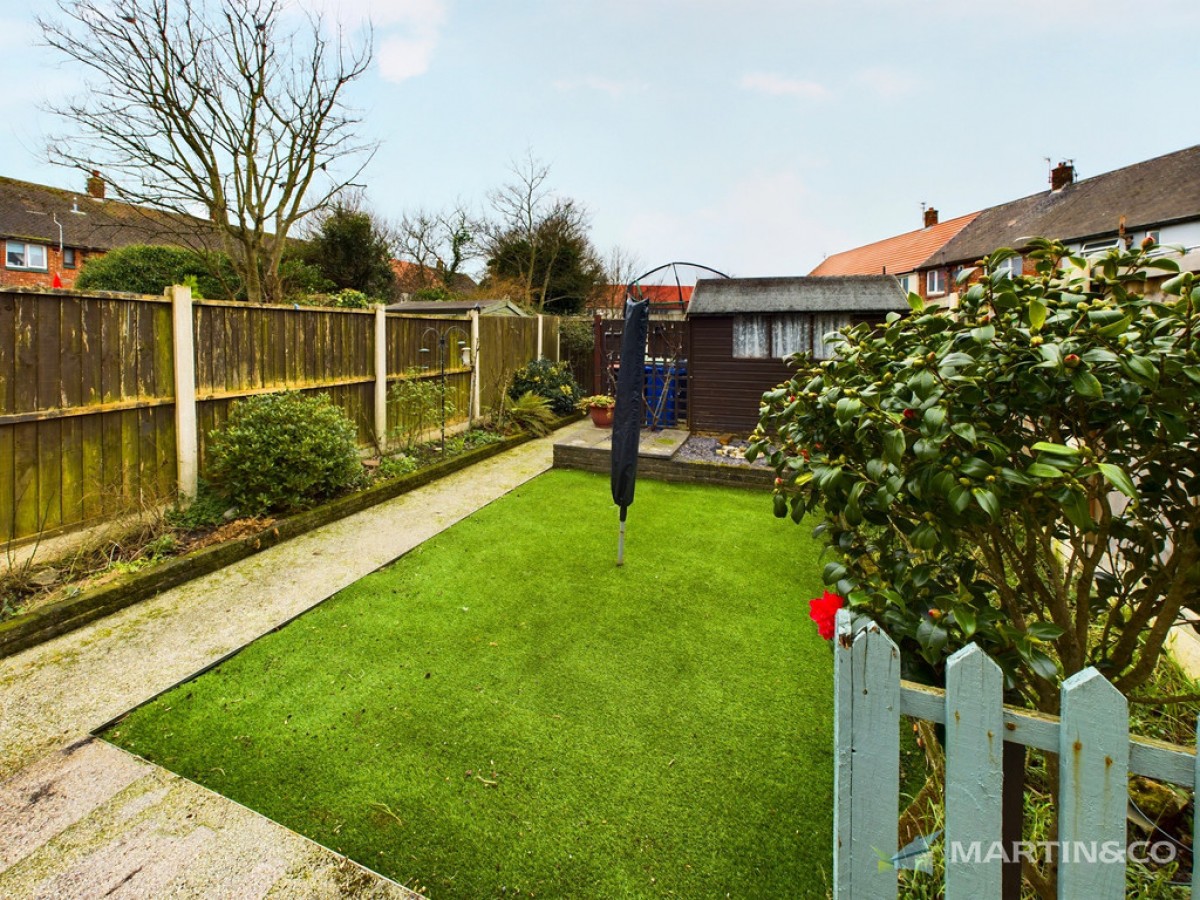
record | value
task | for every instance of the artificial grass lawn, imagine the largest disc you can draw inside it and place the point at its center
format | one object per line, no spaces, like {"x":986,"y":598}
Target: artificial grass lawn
{"x":504,"y":712}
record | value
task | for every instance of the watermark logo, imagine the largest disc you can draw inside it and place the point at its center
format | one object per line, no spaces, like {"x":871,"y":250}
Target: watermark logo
{"x":917,"y":855}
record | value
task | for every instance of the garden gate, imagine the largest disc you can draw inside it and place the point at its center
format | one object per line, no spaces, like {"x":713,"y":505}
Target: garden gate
{"x":1096,"y":754}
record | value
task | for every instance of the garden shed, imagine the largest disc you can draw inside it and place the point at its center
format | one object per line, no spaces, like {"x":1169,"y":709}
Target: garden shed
{"x":742,"y":331}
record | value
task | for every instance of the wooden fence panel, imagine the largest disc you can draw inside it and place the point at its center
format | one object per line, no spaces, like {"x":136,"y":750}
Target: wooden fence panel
{"x":87,"y":392}
{"x":86,"y":389}
{"x":974,"y":769}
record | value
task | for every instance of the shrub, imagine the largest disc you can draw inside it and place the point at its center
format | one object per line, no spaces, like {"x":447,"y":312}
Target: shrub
{"x":151,"y":269}
{"x":283,"y":452}
{"x":577,"y":339}
{"x":395,"y":466}
{"x":531,"y":413}
{"x":968,"y":465}
{"x":418,"y":402}
{"x":206,"y":509}
{"x":553,"y":381}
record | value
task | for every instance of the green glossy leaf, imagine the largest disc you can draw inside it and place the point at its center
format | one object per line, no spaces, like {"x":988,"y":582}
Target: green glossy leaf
{"x":1086,"y":384}
{"x":1044,"y":631}
{"x":1174,"y":286}
{"x":932,"y":638}
{"x":894,"y":444}
{"x":1041,"y":470}
{"x":1117,"y":328}
{"x":1056,"y":449}
{"x":965,"y":617}
{"x":987,"y":502}
{"x":916,"y":302}
{"x":1142,"y":368}
{"x":1118,"y":478}
{"x":960,"y":498}
{"x":984,"y":333}
{"x":964,"y":430}
{"x":1037,"y":315}
{"x":779,"y":502}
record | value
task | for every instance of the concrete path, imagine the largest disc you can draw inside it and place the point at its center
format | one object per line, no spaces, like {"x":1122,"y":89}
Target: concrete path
{"x":80,"y":818}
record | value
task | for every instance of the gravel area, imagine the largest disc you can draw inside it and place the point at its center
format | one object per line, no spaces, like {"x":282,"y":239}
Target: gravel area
{"x":698,"y":448}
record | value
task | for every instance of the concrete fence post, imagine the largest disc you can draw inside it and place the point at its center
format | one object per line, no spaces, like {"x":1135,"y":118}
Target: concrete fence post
{"x":187,"y":443}
{"x":475,"y":412}
{"x":541,"y":320}
{"x":381,"y":374}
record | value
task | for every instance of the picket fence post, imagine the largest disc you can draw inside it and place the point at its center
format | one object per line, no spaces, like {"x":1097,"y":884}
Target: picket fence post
{"x":867,"y":774}
{"x":974,"y":773}
{"x":1093,"y":773}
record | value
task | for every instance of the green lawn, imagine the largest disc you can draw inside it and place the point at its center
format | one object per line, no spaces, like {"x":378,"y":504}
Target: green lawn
{"x":503,"y":712}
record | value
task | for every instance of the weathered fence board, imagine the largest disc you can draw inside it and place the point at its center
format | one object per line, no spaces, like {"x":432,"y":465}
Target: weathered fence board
{"x":974,"y":759}
{"x":1095,"y":757}
{"x":1093,"y":772}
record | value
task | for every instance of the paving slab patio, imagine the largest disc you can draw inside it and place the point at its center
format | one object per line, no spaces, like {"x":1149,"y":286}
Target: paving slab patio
{"x":80,"y":818}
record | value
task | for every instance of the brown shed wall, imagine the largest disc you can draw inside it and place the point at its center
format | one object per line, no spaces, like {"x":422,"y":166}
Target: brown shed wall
{"x":724,"y":393}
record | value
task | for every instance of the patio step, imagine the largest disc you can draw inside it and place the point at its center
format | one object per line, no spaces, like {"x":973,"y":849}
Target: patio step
{"x":93,"y":821}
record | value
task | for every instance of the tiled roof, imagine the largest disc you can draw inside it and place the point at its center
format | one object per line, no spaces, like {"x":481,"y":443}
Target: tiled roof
{"x":613,"y":295}
{"x":412,"y":277}
{"x":842,"y":293}
{"x":28,"y":212}
{"x":895,"y":255}
{"x":1155,"y":192}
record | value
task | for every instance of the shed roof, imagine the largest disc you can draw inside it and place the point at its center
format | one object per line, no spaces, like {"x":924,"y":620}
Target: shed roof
{"x":1155,"y":192}
{"x":797,"y":293}
{"x":895,"y":255}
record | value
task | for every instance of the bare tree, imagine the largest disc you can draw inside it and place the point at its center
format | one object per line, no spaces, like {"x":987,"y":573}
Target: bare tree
{"x":213,"y":107}
{"x":538,"y":240}
{"x":440,"y":242}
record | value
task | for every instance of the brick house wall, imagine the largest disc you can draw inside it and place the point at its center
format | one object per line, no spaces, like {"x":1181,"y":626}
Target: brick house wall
{"x":36,"y":278}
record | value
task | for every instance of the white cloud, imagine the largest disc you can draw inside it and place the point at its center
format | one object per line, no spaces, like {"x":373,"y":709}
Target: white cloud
{"x":778,"y":85}
{"x":406,"y":31}
{"x":887,"y":82}
{"x":608,"y":86}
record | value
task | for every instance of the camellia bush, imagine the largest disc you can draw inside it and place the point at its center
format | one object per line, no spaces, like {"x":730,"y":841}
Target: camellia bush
{"x":1020,"y":471}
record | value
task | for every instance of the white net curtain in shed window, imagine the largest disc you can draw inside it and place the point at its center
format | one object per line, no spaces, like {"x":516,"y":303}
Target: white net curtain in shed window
{"x":750,"y":337}
{"x":825,"y":323}
{"x":791,"y":334}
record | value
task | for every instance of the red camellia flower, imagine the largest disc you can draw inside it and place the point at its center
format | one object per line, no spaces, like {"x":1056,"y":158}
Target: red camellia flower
{"x":910,"y":414}
{"x":823,"y":611}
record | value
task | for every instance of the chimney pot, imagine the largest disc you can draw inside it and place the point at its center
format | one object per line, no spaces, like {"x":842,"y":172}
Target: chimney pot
{"x":931,"y":217}
{"x":95,"y":185}
{"x":1062,"y":175}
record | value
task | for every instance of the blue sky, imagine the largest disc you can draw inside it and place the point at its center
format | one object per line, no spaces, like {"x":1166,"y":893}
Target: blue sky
{"x":754,"y":137}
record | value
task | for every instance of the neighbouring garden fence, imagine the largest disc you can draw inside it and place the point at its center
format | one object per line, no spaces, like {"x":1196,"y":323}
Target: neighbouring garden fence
{"x":1095,"y":751}
{"x":92,"y":423}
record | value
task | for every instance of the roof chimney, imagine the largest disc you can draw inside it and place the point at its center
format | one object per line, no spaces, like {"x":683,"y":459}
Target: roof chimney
{"x":931,"y":217}
{"x":95,"y":185}
{"x":1062,"y":175}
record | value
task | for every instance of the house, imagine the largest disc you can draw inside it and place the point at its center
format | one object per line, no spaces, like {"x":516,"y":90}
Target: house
{"x":1158,"y":199}
{"x":901,"y":255}
{"x":742,"y":330}
{"x":666,"y":300}
{"x":412,"y":277}
{"x":51,"y":232}
{"x":458,"y":307}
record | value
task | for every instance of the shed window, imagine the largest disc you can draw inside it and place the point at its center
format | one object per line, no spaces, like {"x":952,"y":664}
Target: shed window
{"x":823,"y":341}
{"x":750,"y":337}
{"x":791,"y":334}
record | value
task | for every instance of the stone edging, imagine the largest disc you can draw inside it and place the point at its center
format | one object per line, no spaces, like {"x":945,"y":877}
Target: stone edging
{"x":57,"y":618}
{"x":690,"y":472}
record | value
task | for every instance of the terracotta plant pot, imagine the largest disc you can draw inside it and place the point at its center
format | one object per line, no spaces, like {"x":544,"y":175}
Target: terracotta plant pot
{"x":602,"y":416}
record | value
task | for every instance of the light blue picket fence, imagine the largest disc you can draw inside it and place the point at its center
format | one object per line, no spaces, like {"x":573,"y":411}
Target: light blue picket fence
{"x":1096,"y":754}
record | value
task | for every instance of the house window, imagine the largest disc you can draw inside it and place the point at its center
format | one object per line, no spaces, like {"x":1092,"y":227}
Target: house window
{"x":19,"y":255}
{"x":68,"y":257}
{"x":935,"y":282}
{"x":750,"y":337}
{"x":1091,"y":248}
{"x":906,"y":284}
{"x":1012,"y":267}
